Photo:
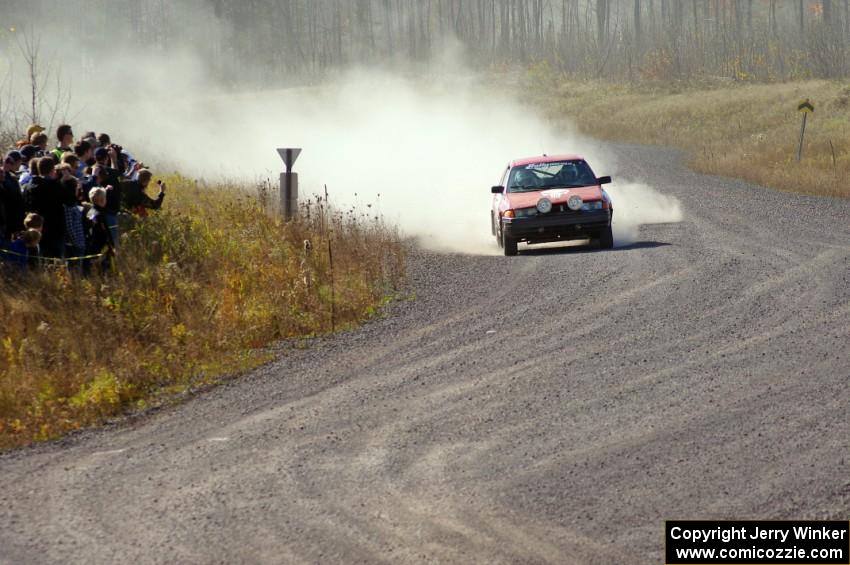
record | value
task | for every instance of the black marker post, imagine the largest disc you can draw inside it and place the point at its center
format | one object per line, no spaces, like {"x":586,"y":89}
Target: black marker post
{"x":289,"y":183}
{"x":805,"y":107}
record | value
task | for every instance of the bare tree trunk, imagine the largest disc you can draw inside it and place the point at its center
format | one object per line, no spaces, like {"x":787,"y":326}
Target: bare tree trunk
{"x":678,"y":17}
{"x":601,"y":20}
{"x":772,"y":18}
{"x":493,"y":27}
{"x":695,"y":13}
{"x":505,"y":20}
{"x":637,"y":26}
{"x":652,"y":22}
{"x":739,"y":19}
{"x":45,"y":105}
{"x":846,"y":17}
{"x":827,"y":12}
{"x":389,"y":27}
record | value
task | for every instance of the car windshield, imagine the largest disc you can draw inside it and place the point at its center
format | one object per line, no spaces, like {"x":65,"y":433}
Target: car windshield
{"x":542,"y":176}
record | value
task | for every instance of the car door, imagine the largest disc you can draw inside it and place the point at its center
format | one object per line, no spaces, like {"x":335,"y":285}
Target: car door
{"x":497,"y":200}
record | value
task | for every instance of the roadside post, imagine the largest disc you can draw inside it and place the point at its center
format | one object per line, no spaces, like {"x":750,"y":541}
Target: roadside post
{"x":288,"y":183}
{"x":805,"y":107}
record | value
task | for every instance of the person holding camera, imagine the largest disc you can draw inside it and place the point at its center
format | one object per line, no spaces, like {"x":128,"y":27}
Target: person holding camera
{"x":119,"y":157}
{"x":135,"y":198}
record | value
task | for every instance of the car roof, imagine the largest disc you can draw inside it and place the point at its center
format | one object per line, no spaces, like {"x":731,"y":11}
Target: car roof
{"x":544,"y":159}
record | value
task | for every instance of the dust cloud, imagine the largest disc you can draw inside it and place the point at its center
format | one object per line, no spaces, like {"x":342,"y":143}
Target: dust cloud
{"x":422,"y":151}
{"x":637,"y":204}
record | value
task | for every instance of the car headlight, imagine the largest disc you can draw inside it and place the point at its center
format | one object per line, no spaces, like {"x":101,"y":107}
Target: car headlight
{"x":525,"y":212}
{"x":575,"y":202}
{"x":597,"y":205}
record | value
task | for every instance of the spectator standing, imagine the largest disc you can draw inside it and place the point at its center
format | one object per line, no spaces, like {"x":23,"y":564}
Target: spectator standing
{"x":27,"y":172}
{"x":27,"y":153}
{"x":110,"y":178}
{"x":11,"y":197}
{"x":64,"y":170}
{"x":73,"y":163}
{"x":34,"y":222}
{"x":3,"y":229}
{"x":40,"y":141}
{"x":91,"y":138}
{"x":12,"y":162}
{"x":85,"y":154}
{"x":48,"y":198}
{"x":75,"y":239}
{"x":121,"y":159}
{"x":24,"y":250}
{"x":31,"y":131}
{"x":65,"y":137}
{"x":104,"y":158}
{"x":98,"y":236}
{"x":136,"y":199}
{"x":27,"y":182}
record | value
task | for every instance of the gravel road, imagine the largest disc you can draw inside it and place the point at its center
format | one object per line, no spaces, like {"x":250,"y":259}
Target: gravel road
{"x":554,"y":407}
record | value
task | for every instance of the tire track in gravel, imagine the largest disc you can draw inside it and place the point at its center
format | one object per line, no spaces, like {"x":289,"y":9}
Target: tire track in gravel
{"x":554,"y":407}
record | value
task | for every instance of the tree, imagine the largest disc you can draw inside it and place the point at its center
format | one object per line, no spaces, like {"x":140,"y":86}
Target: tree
{"x":49,"y":93}
{"x":636,"y":24}
{"x":602,"y":14}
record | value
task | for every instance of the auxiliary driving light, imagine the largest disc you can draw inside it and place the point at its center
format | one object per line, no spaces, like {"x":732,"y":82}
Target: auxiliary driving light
{"x":575,"y":203}
{"x":544,"y":205}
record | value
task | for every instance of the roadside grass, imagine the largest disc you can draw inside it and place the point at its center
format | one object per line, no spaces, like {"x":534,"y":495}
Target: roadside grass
{"x":747,"y":131}
{"x":200,"y":288}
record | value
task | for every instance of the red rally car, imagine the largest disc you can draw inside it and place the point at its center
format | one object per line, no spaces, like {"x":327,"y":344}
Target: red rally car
{"x":551,"y":198}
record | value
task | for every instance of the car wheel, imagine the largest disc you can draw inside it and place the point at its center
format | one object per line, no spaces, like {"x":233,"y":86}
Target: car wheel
{"x":509,"y":244}
{"x":492,"y":225}
{"x":606,"y":238}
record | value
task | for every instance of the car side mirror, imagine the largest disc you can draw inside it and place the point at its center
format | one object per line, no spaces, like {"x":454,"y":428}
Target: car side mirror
{"x":603,"y":180}
{"x":497,"y":189}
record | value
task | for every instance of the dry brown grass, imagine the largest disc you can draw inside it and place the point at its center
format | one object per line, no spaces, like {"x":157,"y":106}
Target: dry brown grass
{"x":748,"y":131}
{"x":200,"y":288}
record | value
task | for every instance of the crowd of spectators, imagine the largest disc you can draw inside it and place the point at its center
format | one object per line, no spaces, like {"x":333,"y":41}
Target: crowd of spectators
{"x":66,"y":205}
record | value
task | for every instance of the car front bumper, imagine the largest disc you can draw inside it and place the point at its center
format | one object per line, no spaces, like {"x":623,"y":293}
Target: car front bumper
{"x":557,"y":227}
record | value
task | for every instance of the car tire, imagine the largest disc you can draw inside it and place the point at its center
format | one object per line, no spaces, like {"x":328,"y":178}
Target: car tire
{"x":492,"y":226}
{"x":509,"y":244}
{"x":606,"y":238}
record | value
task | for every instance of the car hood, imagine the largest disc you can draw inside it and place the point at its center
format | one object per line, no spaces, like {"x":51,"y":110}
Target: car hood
{"x":556,"y":195}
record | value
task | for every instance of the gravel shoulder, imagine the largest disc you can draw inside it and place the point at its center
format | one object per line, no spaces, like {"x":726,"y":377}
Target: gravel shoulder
{"x":557,"y":407}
